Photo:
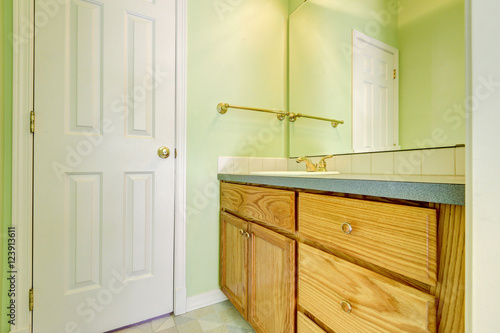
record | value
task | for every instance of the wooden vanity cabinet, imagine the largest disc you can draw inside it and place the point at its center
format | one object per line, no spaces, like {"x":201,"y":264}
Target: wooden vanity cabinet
{"x":295,"y":261}
{"x":257,"y":263}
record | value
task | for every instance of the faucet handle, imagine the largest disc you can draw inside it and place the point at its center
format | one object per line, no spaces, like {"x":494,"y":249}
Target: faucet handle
{"x":322,"y":163}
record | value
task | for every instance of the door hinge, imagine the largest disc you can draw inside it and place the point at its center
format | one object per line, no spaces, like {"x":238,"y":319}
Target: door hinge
{"x":31,"y":299}
{"x":394,"y":77}
{"x":32,"y":121}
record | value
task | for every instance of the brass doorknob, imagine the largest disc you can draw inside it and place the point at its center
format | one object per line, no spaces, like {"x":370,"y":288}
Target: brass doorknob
{"x":163,"y":152}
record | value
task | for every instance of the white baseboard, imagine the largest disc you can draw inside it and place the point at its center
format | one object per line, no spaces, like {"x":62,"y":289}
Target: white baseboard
{"x":22,"y":330}
{"x":206,"y":299}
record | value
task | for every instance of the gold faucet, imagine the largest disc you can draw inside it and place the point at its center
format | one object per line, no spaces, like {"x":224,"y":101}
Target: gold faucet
{"x":312,"y":167}
{"x":322,"y":163}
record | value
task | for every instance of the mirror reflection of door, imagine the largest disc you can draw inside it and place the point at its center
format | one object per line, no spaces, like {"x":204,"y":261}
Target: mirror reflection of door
{"x":375,"y":94}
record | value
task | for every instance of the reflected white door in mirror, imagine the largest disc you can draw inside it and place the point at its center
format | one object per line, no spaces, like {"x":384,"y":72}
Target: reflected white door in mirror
{"x":375,"y":94}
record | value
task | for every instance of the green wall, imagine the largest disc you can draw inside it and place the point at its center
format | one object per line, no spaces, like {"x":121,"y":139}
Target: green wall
{"x":5,"y":144}
{"x":432,"y":73}
{"x":320,"y":68}
{"x":236,"y":54}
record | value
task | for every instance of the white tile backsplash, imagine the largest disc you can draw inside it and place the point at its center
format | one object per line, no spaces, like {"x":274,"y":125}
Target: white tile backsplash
{"x":281,"y":164}
{"x":268,"y":164}
{"x":240,"y":165}
{"x":254,"y":164}
{"x":292,"y":164}
{"x":383,"y":163}
{"x":438,"y":162}
{"x":361,"y":163}
{"x":343,"y":163}
{"x":408,"y":162}
{"x":225,"y":164}
{"x":442,"y":162}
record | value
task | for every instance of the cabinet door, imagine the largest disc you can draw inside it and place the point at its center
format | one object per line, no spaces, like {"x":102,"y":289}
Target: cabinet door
{"x":234,"y":264}
{"x":272,"y":281}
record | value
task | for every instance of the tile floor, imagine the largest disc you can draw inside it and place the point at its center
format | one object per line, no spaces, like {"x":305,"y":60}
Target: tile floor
{"x":217,"y":318}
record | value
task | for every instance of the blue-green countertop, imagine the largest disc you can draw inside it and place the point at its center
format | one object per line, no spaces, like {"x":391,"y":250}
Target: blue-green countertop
{"x":438,"y":189}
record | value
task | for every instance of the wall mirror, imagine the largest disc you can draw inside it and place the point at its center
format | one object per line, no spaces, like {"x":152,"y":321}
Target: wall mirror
{"x":429,"y":37}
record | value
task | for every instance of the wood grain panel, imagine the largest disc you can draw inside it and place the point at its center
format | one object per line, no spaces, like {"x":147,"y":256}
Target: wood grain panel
{"x":306,"y":325}
{"x":378,"y":304}
{"x":395,"y":237}
{"x":274,"y":207}
{"x":272,"y":281}
{"x":450,"y":288}
{"x":234,"y":261}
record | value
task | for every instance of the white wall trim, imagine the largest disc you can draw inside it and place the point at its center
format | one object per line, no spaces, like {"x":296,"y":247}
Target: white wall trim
{"x":22,"y":152}
{"x":205,"y":299}
{"x":180,"y":291}
{"x":24,"y":330}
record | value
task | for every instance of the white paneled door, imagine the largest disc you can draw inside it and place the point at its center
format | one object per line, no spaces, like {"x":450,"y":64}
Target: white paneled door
{"x":103,"y":197}
{"x":375,"y":95}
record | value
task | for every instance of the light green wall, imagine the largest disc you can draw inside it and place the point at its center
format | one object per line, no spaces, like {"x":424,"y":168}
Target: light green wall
{"x":294,"y":4}
{"x":236,"y":54}
{"x":320,"y":67}
{"x":5,"y":144}
{"x":432,"y":73}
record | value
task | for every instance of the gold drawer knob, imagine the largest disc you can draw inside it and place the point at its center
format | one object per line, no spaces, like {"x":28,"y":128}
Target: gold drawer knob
{"x":346,"y":306}
{"x":246,"y":234}
{"x":241,"y":232}
{"x":346,"y":228}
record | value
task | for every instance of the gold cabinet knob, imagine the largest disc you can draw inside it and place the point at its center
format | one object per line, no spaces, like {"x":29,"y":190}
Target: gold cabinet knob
{"x":246,"y":234}
{"x":346,"y":306}
{"x":163,"y":152}
{"x":241,"y":232}
{"x":346,"y":228}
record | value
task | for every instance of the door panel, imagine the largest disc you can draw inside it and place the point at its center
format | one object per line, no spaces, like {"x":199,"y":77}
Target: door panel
{"x":103,"y":200}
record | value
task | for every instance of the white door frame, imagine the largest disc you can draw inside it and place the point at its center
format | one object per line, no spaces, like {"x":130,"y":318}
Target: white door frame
{"x":22,"y":155}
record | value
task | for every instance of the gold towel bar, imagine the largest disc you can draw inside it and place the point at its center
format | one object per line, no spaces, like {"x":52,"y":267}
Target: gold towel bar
{"x":222,"y":109}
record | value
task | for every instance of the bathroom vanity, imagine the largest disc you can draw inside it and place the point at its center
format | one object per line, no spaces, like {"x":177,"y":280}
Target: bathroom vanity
{"x":344,"y":253}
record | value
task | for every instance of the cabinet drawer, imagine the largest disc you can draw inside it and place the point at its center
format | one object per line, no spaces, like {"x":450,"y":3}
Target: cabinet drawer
{"x":377,"y":303}
{"x":274,"y":207}
{"x":396,"y":237}
{"x":306,"y":325}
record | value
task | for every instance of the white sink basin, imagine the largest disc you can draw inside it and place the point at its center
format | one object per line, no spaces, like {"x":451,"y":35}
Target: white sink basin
{"x":294,"y":173}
